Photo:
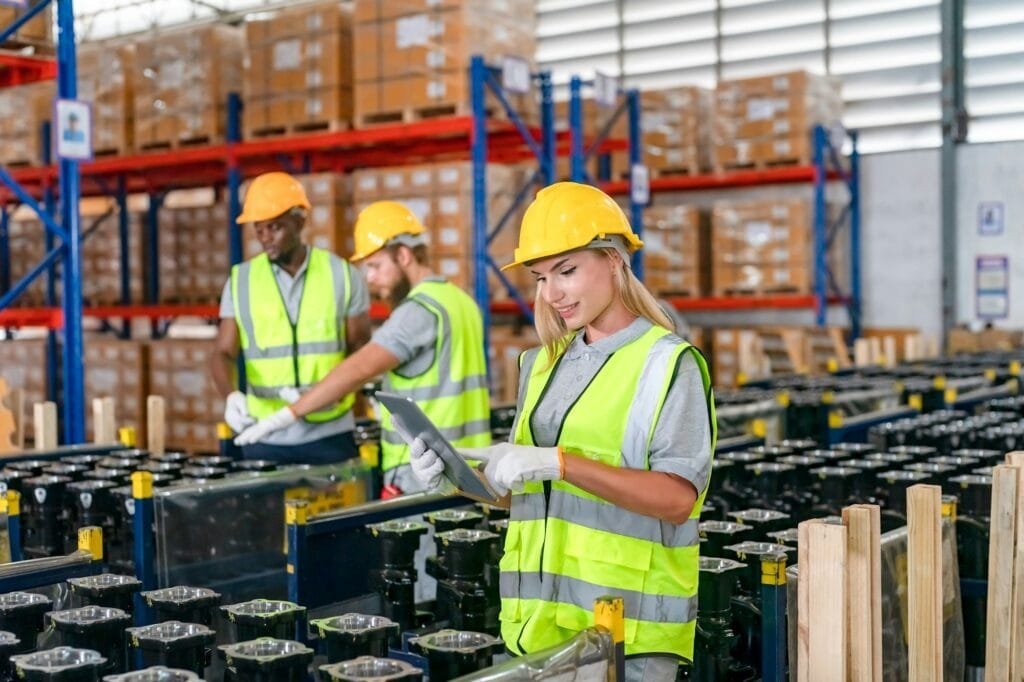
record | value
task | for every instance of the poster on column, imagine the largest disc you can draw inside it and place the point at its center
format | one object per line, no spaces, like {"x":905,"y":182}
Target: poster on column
{"x":990,"y":218}
{"x":992,"y":287}
{"x":73,"y":132}
{"x":14,"y":3}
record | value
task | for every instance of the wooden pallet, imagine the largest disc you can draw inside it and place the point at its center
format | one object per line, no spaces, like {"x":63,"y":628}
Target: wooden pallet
{"x":31,"y":48}
{"x":677,"y":293}
{"x":184,"y":143}
{"x":761,"y":164}
{"x":331,"y":126}
{"x":683,"y":171}
{"x":19,"y":163}
{"x":110,"y":151}
{"x":417,"y":114}
{"x":759,"y":291}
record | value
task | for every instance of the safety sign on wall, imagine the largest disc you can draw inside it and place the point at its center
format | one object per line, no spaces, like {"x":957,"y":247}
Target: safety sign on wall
{"x":73,"y":129}
{"x":990,"y":218}
{"x":992,"y":287}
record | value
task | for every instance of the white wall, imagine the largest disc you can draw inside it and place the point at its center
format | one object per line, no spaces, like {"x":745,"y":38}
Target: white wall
{"x":901,"y":227}
{"x":991,"y":172}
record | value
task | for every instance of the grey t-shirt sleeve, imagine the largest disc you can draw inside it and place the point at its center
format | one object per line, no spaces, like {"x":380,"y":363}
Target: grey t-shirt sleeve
{"x":359,"y":299}
{"x":409,"y":333}
{"x":681,"y":443}
{"x":227,"y":303}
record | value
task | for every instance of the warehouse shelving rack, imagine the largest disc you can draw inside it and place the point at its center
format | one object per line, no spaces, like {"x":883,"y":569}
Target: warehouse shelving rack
{"x":478,"y":136}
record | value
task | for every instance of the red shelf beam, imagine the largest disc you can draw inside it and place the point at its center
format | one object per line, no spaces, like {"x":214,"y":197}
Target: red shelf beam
{"x":18,"y":69}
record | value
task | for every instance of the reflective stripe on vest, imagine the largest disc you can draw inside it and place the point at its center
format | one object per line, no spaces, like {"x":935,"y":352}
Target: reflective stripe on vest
{"x":565,"y":546}
{"x":279,"y":354}
{"x":453,"y":390}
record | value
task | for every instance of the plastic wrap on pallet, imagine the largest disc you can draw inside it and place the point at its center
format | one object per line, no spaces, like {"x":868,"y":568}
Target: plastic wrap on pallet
{"x":229,"y":533}
{"x":895,"y":627}
{"x":584,"y":658}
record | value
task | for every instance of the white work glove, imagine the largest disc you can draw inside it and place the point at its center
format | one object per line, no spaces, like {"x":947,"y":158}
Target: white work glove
{"x":289,"y":394}
{"x":236,"y":412}
{"x":264,"y":427}
{"x":509,"y":467}
{"x":427,"y":466}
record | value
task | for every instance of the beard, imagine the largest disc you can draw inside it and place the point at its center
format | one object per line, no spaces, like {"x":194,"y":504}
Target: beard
{"x":399,"y":291}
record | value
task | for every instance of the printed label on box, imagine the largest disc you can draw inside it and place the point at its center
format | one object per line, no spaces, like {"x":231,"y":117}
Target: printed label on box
{"x":436,"y":89}
{"x":760,"y":109}
{"x":412,"y":31}
{"x":287,"y":54}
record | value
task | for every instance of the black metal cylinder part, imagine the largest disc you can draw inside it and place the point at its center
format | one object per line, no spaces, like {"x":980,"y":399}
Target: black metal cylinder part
{"x":454,"y":653}
{"x":156,"y":673}
{"x":173,"y":644}
{"x":466,"y":552}
{"x":173,"y":457}
{"x":264,"y":618}
{"x":63,"y":664}
{"x":94,"y":627}
{"x":371,"y":668}
{"x":188,"y":604}
{"x":73,"y":472}
{"x":896,"y":484}
{"x":799,"y":446}
{"x":715,"y":535}
{"x":762,"y":521}
{"x":9,"y":645}
{"x":255,"y":465}
{"x":750,"y":554}
{"x":106,"y":589}
{"x":32,"y":466}
{"x":353,"y":635}
{"x":85,"y":460}
{"x":267,"y":660}
{"x":714,"y":589}
{"x":43,"y":515}
{"x":398,"y":542}
{"x":21,"y":613}
{"x":975,"y":495}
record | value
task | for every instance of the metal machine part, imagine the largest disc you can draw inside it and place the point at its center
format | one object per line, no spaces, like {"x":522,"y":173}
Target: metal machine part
{"x":155,"y":674}
{"x":371,"y":668}
{"x":93,"y":627}
{"x":355,"y":635}
{"x":63,"y":664}
{"x":173,"y":644}
{"x":465,"y":599}
{"x":21,"y":613}
{"x":106,"y":589}
{"x":713,"y":659}
{"x":454,"y":653}
{"x":43,"y":514}
{"x":9,"y":644}
{"x":267,"y":660}
{"x":715,"y":535}
{"x":763,"y":521}
{"x":188,"y":604}
{"x":263,"y":618}
{"x":395,"y":580}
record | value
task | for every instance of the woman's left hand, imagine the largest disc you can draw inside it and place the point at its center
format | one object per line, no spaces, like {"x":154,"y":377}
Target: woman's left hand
{"x":509,"y":467}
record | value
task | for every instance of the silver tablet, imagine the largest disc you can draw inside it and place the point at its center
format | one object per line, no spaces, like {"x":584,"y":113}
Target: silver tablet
{"x":456,"y":469}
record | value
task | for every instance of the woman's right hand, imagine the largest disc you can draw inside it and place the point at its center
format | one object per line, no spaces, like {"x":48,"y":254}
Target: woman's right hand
{"x":427,"y":467}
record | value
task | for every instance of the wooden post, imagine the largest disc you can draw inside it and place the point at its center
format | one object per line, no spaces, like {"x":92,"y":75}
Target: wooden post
{"x":44,"y":417}
{"x":924,"y":581}
{"x":861,"y":353}
{"x":156,"y":424}
{"x":1015,"y":460}
{"x":16,"y":401}
{"x":9,"y":421}
{"x":912,"y":350}
{"x":931,"y":346}
{"x":104,"y":421}
{"x":889,"y":350}
{"x":864,"y":592}
{"x":822,"y":586}
{"x":998,"y":626}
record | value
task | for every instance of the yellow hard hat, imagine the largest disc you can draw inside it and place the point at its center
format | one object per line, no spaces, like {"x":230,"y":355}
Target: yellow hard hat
{"x":271,"y":195}
{"x":566,"y":216}
{"x":379,"y":223}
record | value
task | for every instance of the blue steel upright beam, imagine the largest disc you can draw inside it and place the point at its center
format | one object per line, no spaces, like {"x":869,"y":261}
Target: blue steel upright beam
{"x":577,"y":167}
{"x":5,"y":250}
{"x":855,"y":283}
{"x":50,"y":205}
{"x":143,"y":541}
{"x":636,"y":210}
{"x":70,"y":190}
{"x":547,"y":122}
{"x":125,"y":240}
{"x":234,"y":135}
{"x":820,"y":236}
{"x":478,"y":85}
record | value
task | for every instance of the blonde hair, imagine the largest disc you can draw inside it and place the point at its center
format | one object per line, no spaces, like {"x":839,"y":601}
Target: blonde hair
{"x":555,"y":335}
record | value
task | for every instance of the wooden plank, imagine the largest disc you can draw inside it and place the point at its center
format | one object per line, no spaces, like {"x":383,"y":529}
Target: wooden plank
{"x":8,"y":421}
{"x":1000,"y":573}
{"x":889,"y":350}
{"x":802,"y":599}
{"x":156,"y":424}
{"x":44,"y":420}
{"x":1015,"y":458}
{"x":924,"y":581}
{"x":1017,"y":603}
{"x":104,"y":421}
{"x":16,"y":401}
{"x":864,"y":589}
{"x":861,"y":353}
{"x":825,"y":584}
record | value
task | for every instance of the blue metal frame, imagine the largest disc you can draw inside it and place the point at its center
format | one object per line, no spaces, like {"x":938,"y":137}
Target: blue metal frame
{"x":66,"y":227}
{"x":827,"y":159}
{"x":773,"y":626}
{"x":143,"y":542}
{"x":482,"y":79}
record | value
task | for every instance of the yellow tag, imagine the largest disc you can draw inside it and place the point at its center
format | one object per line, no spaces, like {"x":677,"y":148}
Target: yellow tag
{"x":759,"y":428}
{"x":142,"y":485}
{"x":741,"y":379}
{"x":1015,"y":367}
{"x":939,"y":383}
{"x":773,"y":572}
{"x":13,"y":503}
{"x":783,"y":398}
{"x":898,"y":387}
{"x":296,"y":513}
{"x":610,"y":613}
{"x":224,"y":432}
{"x":90,"y":539}
{"x":949,"y":510}
{"x":835,"y":419}
{"x":370,"y":454}
{"x":915,"y":402}
{"x":990,"y":374}
{"x":950,"y":395}
{"x":832,"y":365}
{"x":126,"y":434}
{"x":827,"y":398}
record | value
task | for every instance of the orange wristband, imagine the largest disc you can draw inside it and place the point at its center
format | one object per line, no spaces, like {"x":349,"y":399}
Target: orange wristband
{"x":561,"y":465}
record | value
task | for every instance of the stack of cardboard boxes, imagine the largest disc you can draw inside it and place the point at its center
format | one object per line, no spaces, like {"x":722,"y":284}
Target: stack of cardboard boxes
{"x":675,"y":245}
{"x":328,"y":223}
{"x":760,"y":247}
{"x":101,"y":254}
{"x":117,"y":369}
{"x":23,"y":366}
{"x":738,"y":356}
{"x":675,"y":125}
{"x":181,"y":83}
{"x":298,"y":75}
{"x":194,"y":258}
{"x":769,"y":119}
{"x":594,"y":118}
{"x":23,"y":108}
{"x":105,"y":78}
{"x":441,"y":196}
{"x":507,"y":344}
{"x":37,"y":31}
{"x":27,"y":248}
{"x":179,"y":371}
{"x":411,"y":56}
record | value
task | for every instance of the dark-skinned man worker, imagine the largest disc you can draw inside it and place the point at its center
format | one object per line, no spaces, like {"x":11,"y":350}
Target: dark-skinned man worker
{"x":293,"y":312}
{"x":430,"y":348}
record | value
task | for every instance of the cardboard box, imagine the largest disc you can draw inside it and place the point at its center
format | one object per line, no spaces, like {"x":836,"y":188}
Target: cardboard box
{"x":106,"y":78}
{"x":737,"y":356}
{"x":23,"y":366}
{"x":37,"y":32}
{"x":120,"y":370}
{"x":179,"y":372}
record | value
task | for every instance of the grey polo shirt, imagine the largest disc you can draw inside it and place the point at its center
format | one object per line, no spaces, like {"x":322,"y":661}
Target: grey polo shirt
{"x":410,"y":334}
{"x":291,"y":289}
{"x":681,"y":443}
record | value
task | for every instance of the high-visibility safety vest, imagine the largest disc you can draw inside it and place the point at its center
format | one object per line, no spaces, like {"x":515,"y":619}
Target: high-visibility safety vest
{"x":452,"y":392}
{"x":566,"y":547}
{"x":280,"y":354}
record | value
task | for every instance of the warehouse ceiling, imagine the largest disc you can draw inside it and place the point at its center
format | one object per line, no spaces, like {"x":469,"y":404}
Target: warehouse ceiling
{"x":99,"y":19}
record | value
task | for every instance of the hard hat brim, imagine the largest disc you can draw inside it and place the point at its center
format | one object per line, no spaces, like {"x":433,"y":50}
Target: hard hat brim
{"x":632,"y":242}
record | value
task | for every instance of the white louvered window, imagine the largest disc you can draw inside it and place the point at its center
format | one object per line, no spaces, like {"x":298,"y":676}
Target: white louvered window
{"x":886,"y":53}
